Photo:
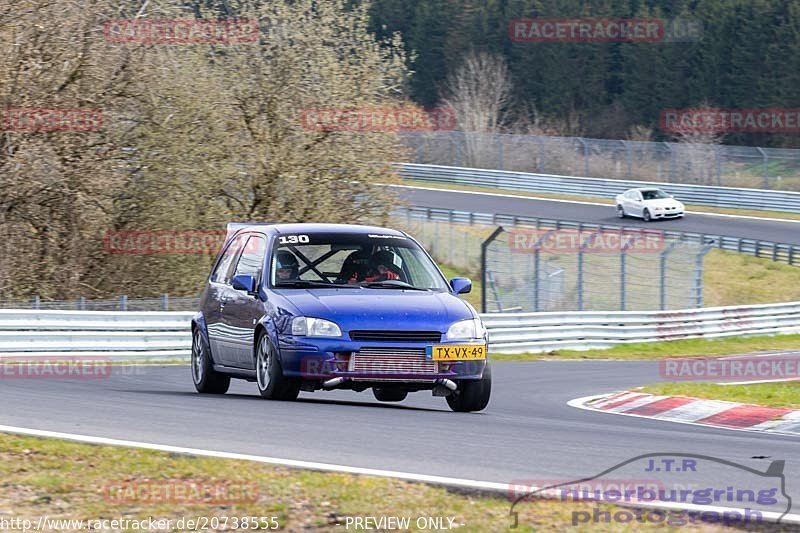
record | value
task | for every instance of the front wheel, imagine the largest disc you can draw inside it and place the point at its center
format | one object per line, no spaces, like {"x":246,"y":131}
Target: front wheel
{"x":472,"y":395}
{"x":272,"y":384}
{"x":206,"y":379}
{"x":646,"y":215}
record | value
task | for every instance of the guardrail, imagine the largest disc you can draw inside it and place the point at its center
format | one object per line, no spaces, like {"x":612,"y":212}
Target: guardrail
{"x":542,"y":332}
{"x":118,"y":335}
{"x":132,"y":335}
{"x":781,"y":252}
{"x":758,"y":199}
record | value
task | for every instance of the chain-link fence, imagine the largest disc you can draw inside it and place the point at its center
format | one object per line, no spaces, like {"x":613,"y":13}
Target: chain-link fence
{"x":531,"y":270}
{"x":692,"y":163}
{"x":524,"y":268}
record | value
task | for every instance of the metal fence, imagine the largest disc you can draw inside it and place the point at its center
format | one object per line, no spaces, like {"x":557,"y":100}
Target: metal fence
{"x":705,"y":164}
{"x":26,"y":334}
{"x":530,"y":270}
{"x":757,"y":199}
{"x":779,"y":252}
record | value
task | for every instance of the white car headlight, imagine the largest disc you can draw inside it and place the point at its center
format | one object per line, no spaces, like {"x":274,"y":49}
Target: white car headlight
{"x":470,"y":329}
{"x":314,"y":327}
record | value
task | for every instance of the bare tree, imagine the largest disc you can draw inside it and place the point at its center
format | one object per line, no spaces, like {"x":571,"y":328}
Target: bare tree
{"x":479,"y":92}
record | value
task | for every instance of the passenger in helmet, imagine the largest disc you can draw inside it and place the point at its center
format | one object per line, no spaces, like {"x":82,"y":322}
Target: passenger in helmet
{"x":355,"y":267}
{"x":383,"y":267}
{"x":286,"y":266}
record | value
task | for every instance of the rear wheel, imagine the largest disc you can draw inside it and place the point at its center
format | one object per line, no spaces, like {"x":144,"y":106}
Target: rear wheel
{"x":620,"y":212}
{"x":206,"y":379}
{"x":472,"y":395}
{"x":646,"y":215}
{"x":272,"y":384}
{"x":389,"y":395}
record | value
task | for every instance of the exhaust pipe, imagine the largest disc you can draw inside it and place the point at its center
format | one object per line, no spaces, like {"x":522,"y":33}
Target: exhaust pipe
{"x":332,"y":383}
{"x":447,"y":383}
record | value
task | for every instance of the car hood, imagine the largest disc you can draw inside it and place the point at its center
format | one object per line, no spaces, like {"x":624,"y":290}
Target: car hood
{"x":380,"y":309}
{"x":663,"y":202}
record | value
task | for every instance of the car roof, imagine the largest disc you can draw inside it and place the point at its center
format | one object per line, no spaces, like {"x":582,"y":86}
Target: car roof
{"x":235,"y":227}
{"x":640,"y":189}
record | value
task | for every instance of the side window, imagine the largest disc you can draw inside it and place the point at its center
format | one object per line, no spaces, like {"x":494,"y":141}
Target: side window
{"x":224,"y":271}
{"x":252,"y":258}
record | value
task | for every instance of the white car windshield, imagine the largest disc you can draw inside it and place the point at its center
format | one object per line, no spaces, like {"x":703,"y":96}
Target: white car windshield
{"x":655,"y":194}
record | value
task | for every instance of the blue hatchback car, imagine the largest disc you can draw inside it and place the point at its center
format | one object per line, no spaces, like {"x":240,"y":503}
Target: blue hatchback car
{"x":304,"y":307}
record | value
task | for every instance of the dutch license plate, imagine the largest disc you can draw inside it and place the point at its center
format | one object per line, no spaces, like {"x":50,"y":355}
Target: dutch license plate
{"x":456,"y":352}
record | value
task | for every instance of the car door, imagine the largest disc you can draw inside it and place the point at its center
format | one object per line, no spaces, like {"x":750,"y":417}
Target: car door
{"x":243,"y":310}
{"x":219,"y":287}
{"x":637,"y":205}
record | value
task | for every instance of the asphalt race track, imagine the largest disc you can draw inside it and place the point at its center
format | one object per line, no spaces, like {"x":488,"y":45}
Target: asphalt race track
{"x":527,"y":432}
{"x":508,"y":204}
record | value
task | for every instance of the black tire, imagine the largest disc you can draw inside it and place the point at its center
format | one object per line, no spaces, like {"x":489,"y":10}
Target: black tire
{"x":389,"y":395}
{"x":620,"y":212}
{"x":206,"y":379}
{"x":271,"y":383}
{"x":646,"y":215}
{"x":472,"y":395}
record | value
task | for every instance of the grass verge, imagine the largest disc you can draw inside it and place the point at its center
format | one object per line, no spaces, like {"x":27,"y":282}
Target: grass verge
{"x":67,"y":480}
{"x":785,"y":394}
{"x":662,"y":350}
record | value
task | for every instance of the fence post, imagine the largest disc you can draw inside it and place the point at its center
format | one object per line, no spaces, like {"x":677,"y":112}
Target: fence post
{"x":698,"y":273}
{"x":82,"y":303}
{"x":662,"y":300}
{"x":622,"y":270}
{"x":765,"y":158}
{"x":484,"y":277}
{"x":36,"y":303}
{"x":671,"y":176}
{"x":580,"y":272}
{"x":123,"y":302}
{"x":585,"y":146}
{"x":165,"y":302}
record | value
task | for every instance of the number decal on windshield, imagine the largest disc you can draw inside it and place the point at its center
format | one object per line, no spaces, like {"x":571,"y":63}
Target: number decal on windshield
{"x":293,"y":239}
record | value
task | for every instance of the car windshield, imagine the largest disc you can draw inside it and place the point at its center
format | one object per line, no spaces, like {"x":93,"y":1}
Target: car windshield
{"x":654,"y":194}
{"x":370,"y":261}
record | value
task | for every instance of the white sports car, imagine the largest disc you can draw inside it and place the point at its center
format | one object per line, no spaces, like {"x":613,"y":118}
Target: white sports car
{"x":648,"y":204}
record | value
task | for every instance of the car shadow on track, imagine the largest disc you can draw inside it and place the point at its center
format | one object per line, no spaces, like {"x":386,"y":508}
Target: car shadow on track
{"x":299,"y":401}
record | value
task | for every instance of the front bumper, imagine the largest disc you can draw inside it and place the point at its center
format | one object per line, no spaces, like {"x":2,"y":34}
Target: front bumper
{"x":666,"y":214}
{"x":369,"y":361}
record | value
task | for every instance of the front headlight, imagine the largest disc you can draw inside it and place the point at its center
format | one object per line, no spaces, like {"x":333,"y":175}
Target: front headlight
{"x":463,"y":330}
{"x":314,"y":327}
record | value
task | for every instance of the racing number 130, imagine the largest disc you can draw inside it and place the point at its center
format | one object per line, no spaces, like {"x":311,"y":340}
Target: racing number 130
{"x":293,"y":239}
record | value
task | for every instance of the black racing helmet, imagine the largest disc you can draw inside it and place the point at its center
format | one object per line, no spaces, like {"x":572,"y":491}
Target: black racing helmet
{"x":287,"y":260}
{"x":385,"y":258}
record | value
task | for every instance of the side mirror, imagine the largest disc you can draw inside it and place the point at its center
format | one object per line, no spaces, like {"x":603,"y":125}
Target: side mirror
{"x":461,"y":285}
{"x":244,"y":282}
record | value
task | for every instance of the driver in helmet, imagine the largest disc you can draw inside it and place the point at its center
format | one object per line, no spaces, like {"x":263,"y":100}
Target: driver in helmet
{"x":383,"y":267}
{"x":286,"y":266}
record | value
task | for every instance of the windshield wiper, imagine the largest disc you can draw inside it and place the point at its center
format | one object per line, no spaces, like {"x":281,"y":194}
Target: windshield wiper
{"x":392,"y":284}
{"x":308,"y":284}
